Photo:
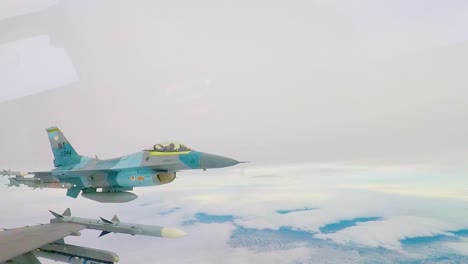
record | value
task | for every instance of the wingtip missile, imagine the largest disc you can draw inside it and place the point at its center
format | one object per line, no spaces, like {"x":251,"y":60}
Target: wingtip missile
{"x":115,"y":226}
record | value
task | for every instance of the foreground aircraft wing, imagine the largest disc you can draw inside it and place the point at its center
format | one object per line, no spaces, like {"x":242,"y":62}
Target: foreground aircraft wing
{"x":23,"y":245}
{"x":19,"y":242}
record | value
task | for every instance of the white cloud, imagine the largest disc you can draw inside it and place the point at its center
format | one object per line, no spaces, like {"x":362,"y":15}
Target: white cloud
{"x":387,"y":233}
{"x":253,"y":202}
{"x":205,"y":243}
{"x":459,"y":247}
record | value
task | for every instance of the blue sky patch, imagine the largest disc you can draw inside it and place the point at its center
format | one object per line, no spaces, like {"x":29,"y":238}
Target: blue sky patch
{"x":170,"y":210}
{"x":208,"y":219}
{"x":295,"y":210}
{"x":335,"y":227}
{"x":425,"y":240}
{"x":461,"y":232}
{"x":448,"y":258}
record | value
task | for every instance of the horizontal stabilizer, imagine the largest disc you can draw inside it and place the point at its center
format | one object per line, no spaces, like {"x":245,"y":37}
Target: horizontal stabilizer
{"x":73,"y":192}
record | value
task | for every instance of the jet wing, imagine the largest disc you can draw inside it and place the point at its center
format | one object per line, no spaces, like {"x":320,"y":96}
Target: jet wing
{"x":44,"y":176}
{"x":19,"y":242}
{"x":51,"y":176}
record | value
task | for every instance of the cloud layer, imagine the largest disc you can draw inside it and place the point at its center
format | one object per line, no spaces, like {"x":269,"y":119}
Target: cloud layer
{"x":236,"y":216}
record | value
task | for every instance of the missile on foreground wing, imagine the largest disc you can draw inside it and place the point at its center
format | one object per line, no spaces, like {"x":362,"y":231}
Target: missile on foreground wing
{"x":115,"y":226}
{"x":67,"y":258}
{"x":78,"y":252}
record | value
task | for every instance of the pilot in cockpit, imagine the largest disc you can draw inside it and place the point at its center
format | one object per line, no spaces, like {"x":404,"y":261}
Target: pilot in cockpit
{"x":171,"y":147}
{"x":158,"y":147}
{"x":183,"y":148}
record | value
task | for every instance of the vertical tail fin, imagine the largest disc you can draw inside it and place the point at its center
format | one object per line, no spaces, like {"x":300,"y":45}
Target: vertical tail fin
{"x":64,"y":153}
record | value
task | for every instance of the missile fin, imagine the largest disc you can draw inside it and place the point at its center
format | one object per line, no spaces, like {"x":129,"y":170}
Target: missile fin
{"x":67,"y":212}
{"x":115,"y":219}
{"x":55,"y":214}
{"x":103,"y":233}
{"x":106,"y":221}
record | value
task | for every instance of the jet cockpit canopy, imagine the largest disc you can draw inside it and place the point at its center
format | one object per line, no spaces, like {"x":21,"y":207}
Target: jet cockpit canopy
{"x":169,"y":147}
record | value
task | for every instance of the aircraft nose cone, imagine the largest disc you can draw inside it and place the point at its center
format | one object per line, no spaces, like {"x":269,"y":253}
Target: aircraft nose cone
{"x":209,"y":161}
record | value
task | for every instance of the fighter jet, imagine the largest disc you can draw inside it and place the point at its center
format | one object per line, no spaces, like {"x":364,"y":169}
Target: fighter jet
{"x":109,"y":181}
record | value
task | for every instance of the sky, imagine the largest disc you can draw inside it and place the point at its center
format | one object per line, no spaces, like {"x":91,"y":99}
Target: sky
{"x":360,"y":81}
{"x":341,"y":83}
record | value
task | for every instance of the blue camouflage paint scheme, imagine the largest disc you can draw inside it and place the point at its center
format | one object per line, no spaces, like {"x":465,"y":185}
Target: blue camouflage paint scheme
{"x":135,"y":178}
{"x":154,"y":166}
{"x":129,"y":161}
{"x":192,"y":160}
